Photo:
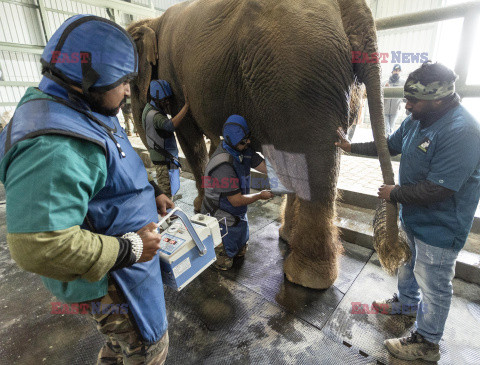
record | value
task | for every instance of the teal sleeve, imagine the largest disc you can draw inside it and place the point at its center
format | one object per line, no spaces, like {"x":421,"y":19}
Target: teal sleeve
{"x":50,"y":180}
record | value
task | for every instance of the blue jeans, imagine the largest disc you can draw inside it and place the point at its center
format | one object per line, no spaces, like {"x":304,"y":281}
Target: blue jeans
{"x":430,"y":272}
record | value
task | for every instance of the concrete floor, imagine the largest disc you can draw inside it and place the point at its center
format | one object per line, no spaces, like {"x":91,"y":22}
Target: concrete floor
{"x":250,"y":315}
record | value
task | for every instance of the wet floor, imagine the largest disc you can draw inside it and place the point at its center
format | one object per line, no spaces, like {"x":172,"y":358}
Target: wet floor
{"x":250,"y":315}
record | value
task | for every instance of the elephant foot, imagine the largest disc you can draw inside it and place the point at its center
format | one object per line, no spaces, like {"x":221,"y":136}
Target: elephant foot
{"x":311,"y":273}
{"x":197,"y":204}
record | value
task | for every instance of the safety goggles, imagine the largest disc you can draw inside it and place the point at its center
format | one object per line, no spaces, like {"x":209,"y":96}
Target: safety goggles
{"x":244,"y":140}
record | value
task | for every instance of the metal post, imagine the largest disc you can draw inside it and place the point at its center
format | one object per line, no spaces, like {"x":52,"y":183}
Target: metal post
{"x":466,"y":46}
{"x":44,"y":20}
{"x":428,"y":16}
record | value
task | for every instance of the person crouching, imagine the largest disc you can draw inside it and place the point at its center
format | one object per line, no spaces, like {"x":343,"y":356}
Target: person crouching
{"x":227,"y":189}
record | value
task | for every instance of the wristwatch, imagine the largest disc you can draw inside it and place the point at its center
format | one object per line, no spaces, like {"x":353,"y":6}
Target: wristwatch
{"x":137,"y":244}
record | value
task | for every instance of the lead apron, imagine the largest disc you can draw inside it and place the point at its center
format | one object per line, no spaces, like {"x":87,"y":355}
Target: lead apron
{"x":238,"y":234}
{"x":167,"y":147}
{"x":123,"y":205}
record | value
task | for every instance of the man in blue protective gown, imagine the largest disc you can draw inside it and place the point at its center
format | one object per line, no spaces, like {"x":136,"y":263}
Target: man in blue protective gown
{"x":90,"y":226}
{"x":227,"y":189}
{"x":438,"y":194}
{"x":159,"y":129}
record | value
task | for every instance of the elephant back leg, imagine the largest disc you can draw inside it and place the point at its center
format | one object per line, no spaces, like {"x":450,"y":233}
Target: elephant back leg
{"x":214,"y":142}
{"x":193,"y":146}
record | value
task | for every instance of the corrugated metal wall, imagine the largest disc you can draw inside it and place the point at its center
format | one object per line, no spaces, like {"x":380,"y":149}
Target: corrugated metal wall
{"x":22,"y":37}
{"x":59,"y":10}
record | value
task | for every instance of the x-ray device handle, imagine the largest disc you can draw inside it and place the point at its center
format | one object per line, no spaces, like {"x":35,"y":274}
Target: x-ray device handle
{"x":183,"y":217}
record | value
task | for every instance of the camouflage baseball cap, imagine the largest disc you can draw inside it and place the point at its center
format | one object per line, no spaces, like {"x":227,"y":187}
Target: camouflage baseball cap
{"x":432,"y":91}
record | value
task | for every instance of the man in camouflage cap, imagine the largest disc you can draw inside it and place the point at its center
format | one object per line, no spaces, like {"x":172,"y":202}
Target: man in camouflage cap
{"x":438,"y":192}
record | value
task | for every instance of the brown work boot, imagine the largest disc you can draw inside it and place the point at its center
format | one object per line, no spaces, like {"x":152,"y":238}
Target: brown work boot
{"x":413,"y":347}
{"x":393,"y":306}
{"x":223,"y":262}
{"x":242,"y":251}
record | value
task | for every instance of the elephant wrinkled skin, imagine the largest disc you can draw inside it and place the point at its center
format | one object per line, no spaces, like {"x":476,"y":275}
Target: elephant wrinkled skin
{"x":286,"y":67}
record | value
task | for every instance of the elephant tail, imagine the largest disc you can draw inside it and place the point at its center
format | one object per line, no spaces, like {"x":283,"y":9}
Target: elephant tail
{"x":360,"y":29}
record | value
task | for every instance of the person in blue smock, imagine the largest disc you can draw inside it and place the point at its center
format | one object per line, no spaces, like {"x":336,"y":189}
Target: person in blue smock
{"x":227,"y":189}
{"x":159,"y":129}
{"x":90,"y":229}
{"x":438,"y":192}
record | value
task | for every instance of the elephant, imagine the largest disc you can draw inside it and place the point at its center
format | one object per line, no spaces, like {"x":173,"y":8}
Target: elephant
{"x":286,"y":66}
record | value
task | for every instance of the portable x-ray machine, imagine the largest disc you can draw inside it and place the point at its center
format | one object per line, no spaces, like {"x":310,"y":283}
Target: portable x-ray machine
{"x":187,"y":247}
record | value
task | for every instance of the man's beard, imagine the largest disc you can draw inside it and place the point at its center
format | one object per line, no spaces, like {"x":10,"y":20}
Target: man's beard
{"x":426,"y":115}
{"x":420,"y":116}
{"x":394,"y":78}
{"x":95,"y":101}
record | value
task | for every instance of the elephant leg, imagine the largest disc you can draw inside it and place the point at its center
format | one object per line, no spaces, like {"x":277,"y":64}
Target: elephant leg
{"x":313,"y":260}
{"x":214,"y":142}
{"x":290,"y":204}
{"x":193,"y":146}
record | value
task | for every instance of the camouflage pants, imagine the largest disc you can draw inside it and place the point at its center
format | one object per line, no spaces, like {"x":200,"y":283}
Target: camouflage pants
{"x":163,"y":179}
{"x":124,"y":345}
{"x":129,"y":124}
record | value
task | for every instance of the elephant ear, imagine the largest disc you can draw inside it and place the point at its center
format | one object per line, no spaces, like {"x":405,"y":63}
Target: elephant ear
{"x":146,"y":41}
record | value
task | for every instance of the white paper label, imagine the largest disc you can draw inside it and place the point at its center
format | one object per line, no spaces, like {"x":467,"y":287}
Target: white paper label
{"x":182,"y":267}
{"x":291,"y":169}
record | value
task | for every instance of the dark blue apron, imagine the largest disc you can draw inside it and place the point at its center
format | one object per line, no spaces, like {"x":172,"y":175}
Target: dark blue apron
{"x":238,"y":234}
{"x":167,"y":146}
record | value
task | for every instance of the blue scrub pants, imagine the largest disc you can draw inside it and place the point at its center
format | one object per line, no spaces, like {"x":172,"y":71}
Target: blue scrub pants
{"x":236,"y":238}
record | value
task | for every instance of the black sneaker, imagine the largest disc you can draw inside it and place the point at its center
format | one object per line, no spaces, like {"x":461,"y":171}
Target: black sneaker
{"x":413,"y":347}
{"x":393,"y":306}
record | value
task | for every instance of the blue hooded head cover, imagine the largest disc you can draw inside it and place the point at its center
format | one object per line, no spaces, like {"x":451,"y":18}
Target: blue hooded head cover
{"x":159,"y":89}
{"x":90,"y":52}
{"x":234,"y":130}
